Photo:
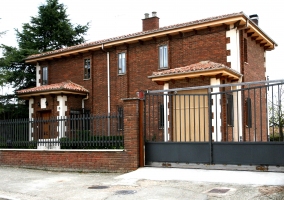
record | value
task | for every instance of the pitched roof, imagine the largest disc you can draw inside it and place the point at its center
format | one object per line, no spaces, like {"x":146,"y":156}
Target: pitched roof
{"x":203,"y":68}
{"x":67,"y":86}
{"x":141,"y":33}
{"x":222,"y":19}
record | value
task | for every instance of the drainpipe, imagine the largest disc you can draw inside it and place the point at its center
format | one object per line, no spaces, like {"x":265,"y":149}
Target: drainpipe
{"x":246,"y":27}
{"x":108,"y":90}
{"x":83,"y":108}
{"x":237,"y":44}
{"x":83,"y":102}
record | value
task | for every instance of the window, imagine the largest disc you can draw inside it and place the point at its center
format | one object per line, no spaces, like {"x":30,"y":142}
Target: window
{"x":230,"y":110}
{"x":120,"y":125}
{"x":121,"y":63}
{"x":163,"y":57}
{"x":161,"y":116}
{"x":87,"y":68}
{"x":245,"y":50}
{"x":44,"y":76}
{"x":248,"y":114}
{"x":80,"y":119}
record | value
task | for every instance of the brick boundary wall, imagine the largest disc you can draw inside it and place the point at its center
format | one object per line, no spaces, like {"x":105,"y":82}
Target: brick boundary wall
{"x":123,"y":160}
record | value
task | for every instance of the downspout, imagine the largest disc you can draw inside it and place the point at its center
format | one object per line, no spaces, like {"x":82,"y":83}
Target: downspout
{"x":83,"y":108}
{"x":246,"y":27}
{"x":83,"y":102}
{"x":238,"y":44}
{"x":108,"y":90}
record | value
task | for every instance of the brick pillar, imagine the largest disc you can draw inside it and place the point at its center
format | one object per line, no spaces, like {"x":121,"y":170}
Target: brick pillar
{"x":131,"y":131}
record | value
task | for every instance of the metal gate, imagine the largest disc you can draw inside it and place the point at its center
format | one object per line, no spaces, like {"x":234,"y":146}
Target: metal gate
{"x":240,"y":124}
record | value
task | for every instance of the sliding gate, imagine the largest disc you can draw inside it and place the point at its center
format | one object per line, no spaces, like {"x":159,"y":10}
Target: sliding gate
{"x":240,"y":124}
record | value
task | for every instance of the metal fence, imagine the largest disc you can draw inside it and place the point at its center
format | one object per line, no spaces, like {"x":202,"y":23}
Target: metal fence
{"x":239,"y":112}
{"x":67,"y":132}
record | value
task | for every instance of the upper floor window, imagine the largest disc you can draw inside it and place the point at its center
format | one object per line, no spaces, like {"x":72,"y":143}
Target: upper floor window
{"x":163,"y":57}
{"x":121,"y":63}
{"x":80,"y":120}
{"x":44,"y":76}
{"x":87,"y":68}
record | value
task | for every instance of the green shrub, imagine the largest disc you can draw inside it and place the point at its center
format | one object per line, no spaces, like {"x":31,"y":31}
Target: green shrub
{"x":92,"y":142}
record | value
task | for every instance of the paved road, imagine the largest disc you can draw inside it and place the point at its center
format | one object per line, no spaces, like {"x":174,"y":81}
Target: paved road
{"x":144,"y":183}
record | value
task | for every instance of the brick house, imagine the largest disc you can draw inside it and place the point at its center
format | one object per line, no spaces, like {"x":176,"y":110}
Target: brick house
{"x":95,"y":77}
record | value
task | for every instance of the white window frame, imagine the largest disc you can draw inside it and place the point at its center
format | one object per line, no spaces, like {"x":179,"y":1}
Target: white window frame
{"x":122,"y":63}
{"x":87,"y":68}
{"x":44,"y":76}
{"x":163,"y":57}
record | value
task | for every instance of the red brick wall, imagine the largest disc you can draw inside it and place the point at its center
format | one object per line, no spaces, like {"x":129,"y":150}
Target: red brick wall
{"x":102,"y":161}
{"x":52,"y":105}
{"x":254,"y":70}
{"x":193,"y":82}
{"x":150,"y":23}
{"x":142,"y":61}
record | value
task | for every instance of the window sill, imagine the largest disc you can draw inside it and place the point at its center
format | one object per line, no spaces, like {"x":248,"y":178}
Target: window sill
{"x":163,"y":68}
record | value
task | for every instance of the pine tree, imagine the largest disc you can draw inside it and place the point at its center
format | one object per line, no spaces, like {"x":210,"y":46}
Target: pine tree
{"x":50,"y":30}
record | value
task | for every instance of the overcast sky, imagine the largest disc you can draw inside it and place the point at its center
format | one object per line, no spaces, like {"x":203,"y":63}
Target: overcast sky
{"x":110,"y":18}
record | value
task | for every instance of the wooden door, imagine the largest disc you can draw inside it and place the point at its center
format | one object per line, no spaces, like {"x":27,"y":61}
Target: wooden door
{"x":45,"y":116}
{"x":190,"y":116}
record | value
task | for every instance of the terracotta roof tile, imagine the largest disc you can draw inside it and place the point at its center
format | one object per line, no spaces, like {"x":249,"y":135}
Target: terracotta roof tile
{"x":138,"y":34}
{"x":197,"y":67}
{"x":67,"y":85}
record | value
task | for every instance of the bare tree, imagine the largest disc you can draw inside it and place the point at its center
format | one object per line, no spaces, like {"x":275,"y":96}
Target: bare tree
{"x":276,"y":112}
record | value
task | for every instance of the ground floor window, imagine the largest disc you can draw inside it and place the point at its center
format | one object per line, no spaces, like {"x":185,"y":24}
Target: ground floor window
{"x":80,"y":119}
{"x":120,"y":125}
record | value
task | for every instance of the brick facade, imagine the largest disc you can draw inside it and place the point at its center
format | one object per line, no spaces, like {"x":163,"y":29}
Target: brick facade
{"x":254,"y":69}
{"x":187,"y":44}
{"x":141,"y":60}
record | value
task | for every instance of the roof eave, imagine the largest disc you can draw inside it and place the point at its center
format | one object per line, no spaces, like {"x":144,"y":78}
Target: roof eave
{"x":242,"y":18}
{"x":51,"y":92}
{"x":194,"y":74}
{"x":133,"y":39}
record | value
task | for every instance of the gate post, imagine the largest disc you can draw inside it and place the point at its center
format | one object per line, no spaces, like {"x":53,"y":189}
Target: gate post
{"x":210,"y":125}
{"x":132,"y":130}
{"x":141,"y":134}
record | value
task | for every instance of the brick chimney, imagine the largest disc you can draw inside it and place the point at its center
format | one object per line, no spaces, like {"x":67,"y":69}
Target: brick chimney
{"x":150,"y":23}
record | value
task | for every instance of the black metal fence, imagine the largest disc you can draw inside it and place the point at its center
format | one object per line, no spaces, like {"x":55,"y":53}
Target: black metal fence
{"x":241,"y":112}
{"x":67,"y":132}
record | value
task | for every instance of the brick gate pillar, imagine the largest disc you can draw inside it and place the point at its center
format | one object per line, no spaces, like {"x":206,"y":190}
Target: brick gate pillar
{"x":131,"y":130}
